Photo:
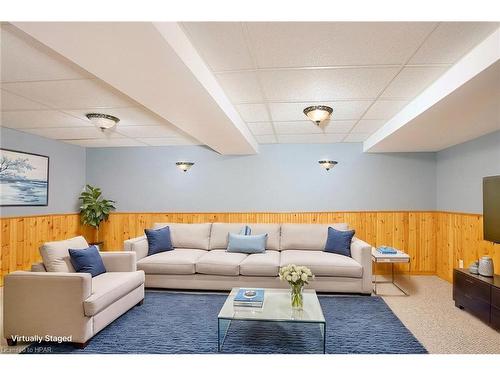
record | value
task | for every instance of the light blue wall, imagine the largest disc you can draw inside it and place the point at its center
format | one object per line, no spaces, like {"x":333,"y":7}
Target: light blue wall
{"x":460,"y":170}
{"x":66,"y":171}
{"x":279,"y":178}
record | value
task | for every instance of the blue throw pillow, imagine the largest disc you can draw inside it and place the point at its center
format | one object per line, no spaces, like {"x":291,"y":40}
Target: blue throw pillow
{"x":246,"y":230}
{"x":158,"y":240}
{"x":87,"y":261}
{"x":339,"y":241}
{"x":240,"y":243}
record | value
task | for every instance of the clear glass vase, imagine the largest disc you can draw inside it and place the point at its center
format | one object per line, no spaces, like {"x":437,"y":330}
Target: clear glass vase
{"x":296,"y":296}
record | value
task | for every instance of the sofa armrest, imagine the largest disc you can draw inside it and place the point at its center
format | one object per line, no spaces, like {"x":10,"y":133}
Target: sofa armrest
{"x":139,"y":245}
{"x":47,"y":303}
{"x":361,"y":252}
{"x":38,"y":267}
{"x":119,"y":261}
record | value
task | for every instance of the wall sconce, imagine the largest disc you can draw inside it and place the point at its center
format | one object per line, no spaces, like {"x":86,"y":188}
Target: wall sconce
{"x":184,"y":165}
{"x":327,"y":164}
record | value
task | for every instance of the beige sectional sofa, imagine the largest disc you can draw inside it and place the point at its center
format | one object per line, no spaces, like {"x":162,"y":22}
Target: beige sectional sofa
{"x":200,"y":260}
{"x":53,"y":301}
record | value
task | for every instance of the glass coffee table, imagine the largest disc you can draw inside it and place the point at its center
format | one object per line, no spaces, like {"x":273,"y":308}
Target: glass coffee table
{"x":277,"y":308}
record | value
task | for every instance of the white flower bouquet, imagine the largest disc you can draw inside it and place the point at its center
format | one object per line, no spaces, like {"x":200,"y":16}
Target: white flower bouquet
{"x":297,"y":277}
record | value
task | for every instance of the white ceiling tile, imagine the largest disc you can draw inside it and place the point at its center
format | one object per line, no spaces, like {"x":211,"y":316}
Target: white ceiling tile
{"x":263,"y":139}
{"x":74,"y":133}
{"x":451,"y":40}
{"x":342,"y":110}
{"x":325,"y":84}
{"x":40,"y":119}
{"x":311,"y":138}
{"x":338,"y":126}
{"x":11,"y":102}
{"x":411,"y":81}
{"x":221,"y":44}
{"x":241,"y":87}
{"x":128,"y":116}
{"x":70,"y":94}
{"x":357,"y":137}
{"x":169,"y":141}
{"x":368,"y":126}
{"x":292,"y":44}
{"x":25,"y":59}
{"x":253,"y":112}
{"x":111,"y":142}
{"x":146,"y":131}
{"x":260,"y":128}
{"x":297,"y":127}
{"x":384,"y":109}
{"x":308,"y":127}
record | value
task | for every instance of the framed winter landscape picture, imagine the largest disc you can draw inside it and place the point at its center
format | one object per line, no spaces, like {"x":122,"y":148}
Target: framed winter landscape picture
{"x":24,"y":179}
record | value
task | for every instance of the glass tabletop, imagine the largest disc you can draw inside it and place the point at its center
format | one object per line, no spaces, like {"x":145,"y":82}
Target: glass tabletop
{"x":276,"y":307}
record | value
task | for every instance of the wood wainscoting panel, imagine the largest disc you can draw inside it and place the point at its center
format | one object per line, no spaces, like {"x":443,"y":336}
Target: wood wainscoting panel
{"x":21,"y":238}
{"x":435,"y":241}
{"x":460,"y":236}
{"x":411,"y":232}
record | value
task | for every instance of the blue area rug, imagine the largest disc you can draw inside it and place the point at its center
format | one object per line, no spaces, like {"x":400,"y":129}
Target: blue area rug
{"x":170,"y":323}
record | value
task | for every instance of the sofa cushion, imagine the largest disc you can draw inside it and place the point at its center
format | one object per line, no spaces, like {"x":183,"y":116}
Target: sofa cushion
{"x":188,"y":236}
{"x":158,"y":240}
{"x":322,"y":263}
{"x":174,"y":262}
{"x":87,"y":261}
{"x":220,"y":262}
{"x":247,"y":244}
{"x":55,"y":254}
{"x":307,"y":236}
{"x":220,"y":231}
{"x":263,"y":264}
{"x":109,"y":287}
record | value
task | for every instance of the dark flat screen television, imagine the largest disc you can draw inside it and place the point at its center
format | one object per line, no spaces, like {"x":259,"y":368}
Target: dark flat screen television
{"x":491,"y":208}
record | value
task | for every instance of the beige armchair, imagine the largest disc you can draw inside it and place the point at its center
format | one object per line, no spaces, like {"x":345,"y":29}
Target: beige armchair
{"x":70,"y":305}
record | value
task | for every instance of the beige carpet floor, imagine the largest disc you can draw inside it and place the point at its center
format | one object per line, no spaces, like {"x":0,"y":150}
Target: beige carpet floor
{"x":429,"y":313}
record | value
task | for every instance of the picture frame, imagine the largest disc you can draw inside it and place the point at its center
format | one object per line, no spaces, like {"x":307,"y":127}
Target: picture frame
{"x":24,"y":178}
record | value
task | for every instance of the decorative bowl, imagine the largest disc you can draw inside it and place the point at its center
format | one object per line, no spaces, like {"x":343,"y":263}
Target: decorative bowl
{"x":474,"y":270}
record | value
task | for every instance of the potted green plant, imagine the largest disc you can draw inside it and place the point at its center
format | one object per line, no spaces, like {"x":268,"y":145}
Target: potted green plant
{"x":94,"y":208}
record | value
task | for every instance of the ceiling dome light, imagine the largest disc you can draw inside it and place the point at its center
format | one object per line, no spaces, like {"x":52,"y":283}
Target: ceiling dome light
{"x":327,"y":164}
{"x":184,"y":165}
{"x":103,"y":121}
{"x":318,"y":113}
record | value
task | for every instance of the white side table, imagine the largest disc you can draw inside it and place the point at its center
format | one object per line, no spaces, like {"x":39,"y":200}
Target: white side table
{"x":399,"y":257}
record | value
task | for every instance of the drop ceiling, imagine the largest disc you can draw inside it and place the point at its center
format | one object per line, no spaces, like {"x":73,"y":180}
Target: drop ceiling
{"x":367,"y":72}
{"x":45,"y":94}
{"x":469,"y":111}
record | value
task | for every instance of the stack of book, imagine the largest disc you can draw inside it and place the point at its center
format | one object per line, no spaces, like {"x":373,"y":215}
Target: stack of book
{"x":386,"y":250}
{"x":249,"y":298}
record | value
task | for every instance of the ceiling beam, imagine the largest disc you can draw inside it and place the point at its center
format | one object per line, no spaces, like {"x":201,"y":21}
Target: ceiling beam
{"x":402,"y":127}
{"x":157,"y":66}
